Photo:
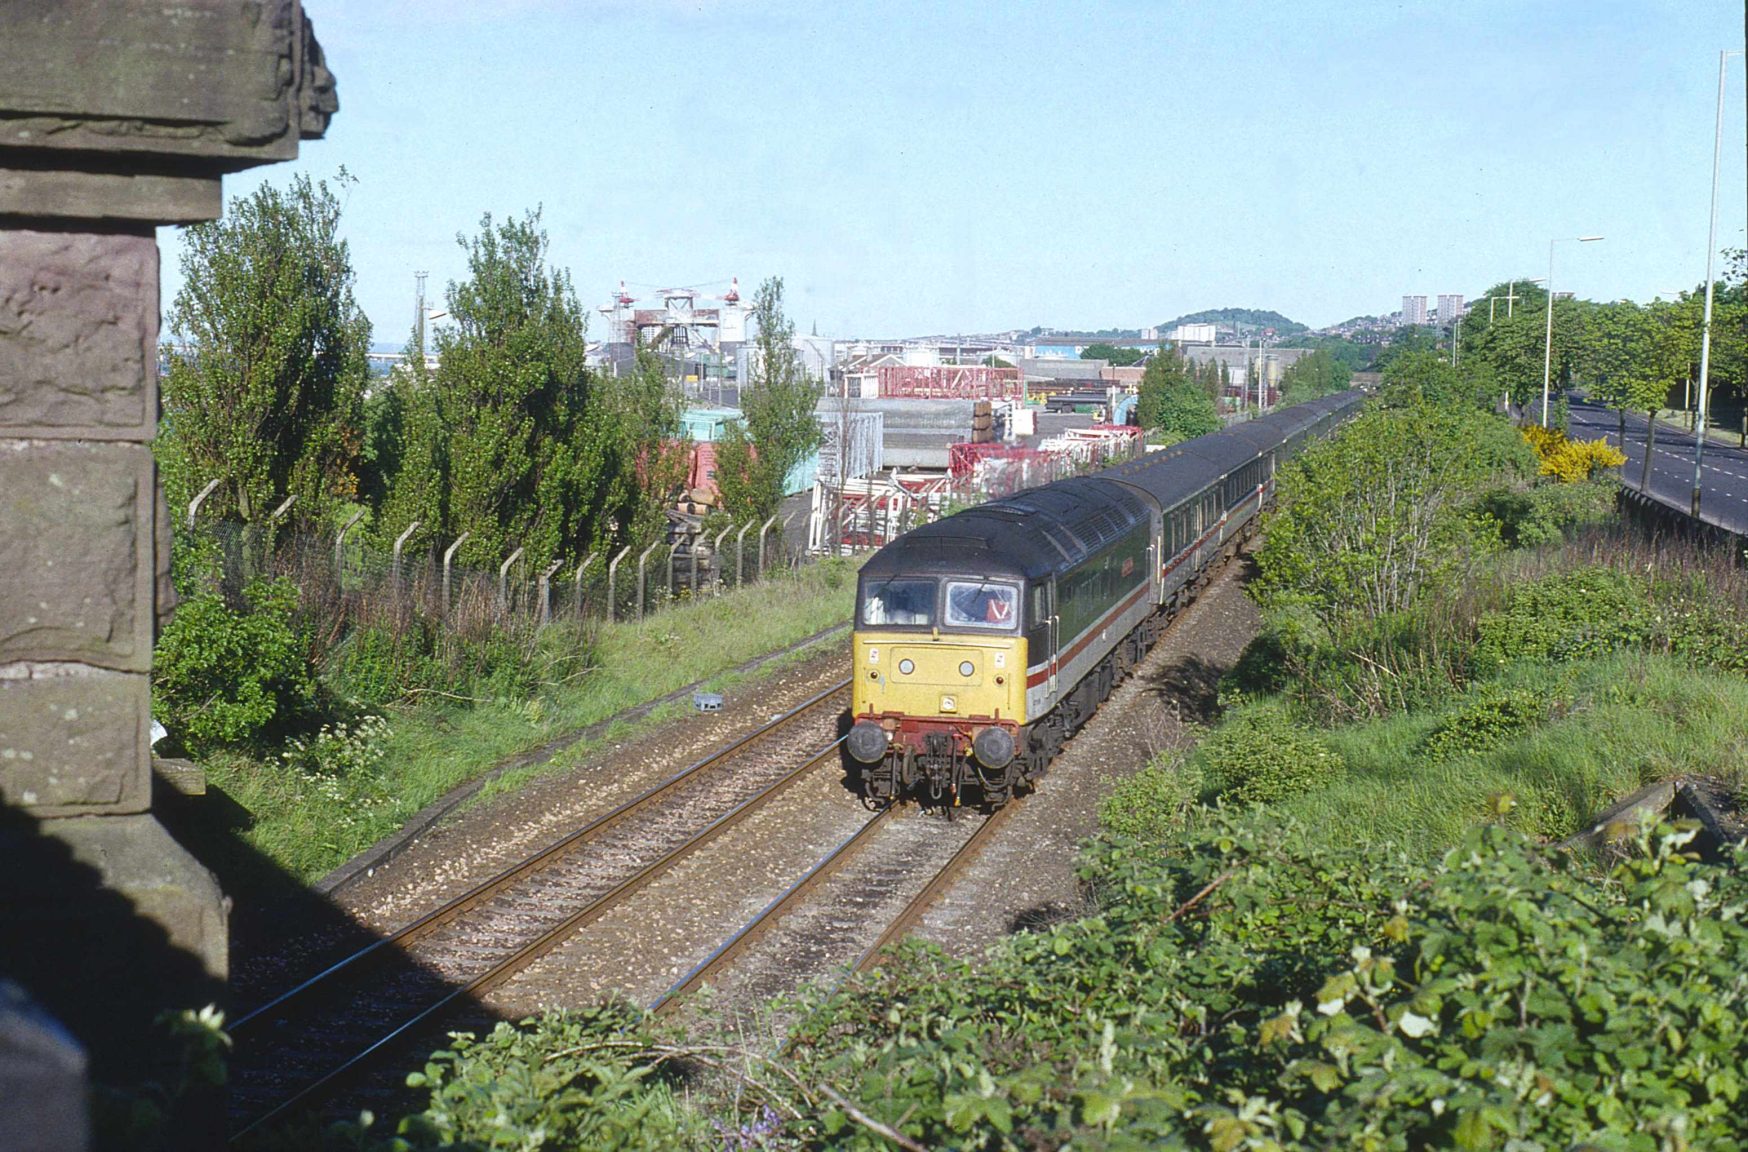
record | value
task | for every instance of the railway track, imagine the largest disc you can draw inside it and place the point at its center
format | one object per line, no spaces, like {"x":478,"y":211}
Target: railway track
{"x":832,"y":932}
{"x":306,"y":1043}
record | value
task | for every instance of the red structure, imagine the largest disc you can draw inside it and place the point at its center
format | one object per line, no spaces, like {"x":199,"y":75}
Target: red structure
{"x":965,"y":382}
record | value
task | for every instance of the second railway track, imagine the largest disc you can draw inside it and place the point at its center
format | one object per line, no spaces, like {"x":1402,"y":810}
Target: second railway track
{"x":306,"y":1042}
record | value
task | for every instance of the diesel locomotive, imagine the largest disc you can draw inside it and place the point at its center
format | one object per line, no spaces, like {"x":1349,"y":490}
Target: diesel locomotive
{"x":984,"y":640}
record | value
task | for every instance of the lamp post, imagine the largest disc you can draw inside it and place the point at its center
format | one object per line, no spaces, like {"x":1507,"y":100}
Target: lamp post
{"x":1705,"y":340}
{"x":1548,"y":339}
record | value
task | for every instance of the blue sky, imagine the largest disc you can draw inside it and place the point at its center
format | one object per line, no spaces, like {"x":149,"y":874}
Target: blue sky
{"x":938,"y":168}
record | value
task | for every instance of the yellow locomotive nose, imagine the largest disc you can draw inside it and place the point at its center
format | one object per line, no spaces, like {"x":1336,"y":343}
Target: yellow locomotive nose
{"x":949,"y":675}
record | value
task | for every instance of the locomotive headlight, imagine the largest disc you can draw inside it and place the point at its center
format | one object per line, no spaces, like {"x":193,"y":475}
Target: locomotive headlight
{"x":966,"y":668}
{"x":994,"y":747}
{"x":866,"y":742}
{"x":906,"y":667}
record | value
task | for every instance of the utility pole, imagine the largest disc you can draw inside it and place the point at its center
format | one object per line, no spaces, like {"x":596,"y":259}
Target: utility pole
{"x":1705,"y":345}
{"x":419,"y":317}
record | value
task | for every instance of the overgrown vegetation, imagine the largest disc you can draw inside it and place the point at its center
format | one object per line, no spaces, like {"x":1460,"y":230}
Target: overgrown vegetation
{"x":313,"y":802}
{"x":1262,"y":986}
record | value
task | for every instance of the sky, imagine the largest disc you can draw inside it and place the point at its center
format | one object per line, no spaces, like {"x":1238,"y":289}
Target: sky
{"x":939,"y":168}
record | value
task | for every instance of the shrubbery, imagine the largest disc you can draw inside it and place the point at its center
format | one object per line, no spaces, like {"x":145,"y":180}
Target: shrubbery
{"x":1155,"y":801}
{"x":1245,"y":991}
{"x":1489,"y":715}
{"x":227,"y":676}
{"x":1259,"y":754}
{"x":1570,"y":461}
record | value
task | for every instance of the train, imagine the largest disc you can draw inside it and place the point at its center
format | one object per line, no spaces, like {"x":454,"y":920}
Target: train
{"x":984,"y":640}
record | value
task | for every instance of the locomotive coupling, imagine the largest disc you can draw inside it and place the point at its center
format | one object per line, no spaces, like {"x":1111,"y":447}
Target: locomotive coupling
{"x":867,"y":742}
{"x":994,"y":747}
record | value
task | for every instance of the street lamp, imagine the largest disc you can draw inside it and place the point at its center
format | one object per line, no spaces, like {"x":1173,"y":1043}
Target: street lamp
{"x":1705,"y":345}
{"x":1548,"y":340}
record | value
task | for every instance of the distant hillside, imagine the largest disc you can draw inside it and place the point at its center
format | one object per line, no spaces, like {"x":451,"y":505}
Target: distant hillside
{"x":1239,"y":318}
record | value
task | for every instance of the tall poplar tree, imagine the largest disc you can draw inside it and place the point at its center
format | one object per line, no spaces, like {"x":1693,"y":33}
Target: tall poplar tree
{"x":778,"y":427}
{"x":507,"y":439}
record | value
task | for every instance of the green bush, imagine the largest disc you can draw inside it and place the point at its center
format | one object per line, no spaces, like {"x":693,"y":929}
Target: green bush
{"x":1591,"y":611}
{"x":1486,"y":717}
{"x":1246,"y":991}
{"x":584,"y":1080}
{"x":1259,"y":755}
{"x":227,"y":676}
{"x":1546,"y":513}
{"x":1156,"y":801}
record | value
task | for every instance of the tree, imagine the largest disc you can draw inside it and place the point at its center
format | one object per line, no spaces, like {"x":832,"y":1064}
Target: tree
{"x":1172,"y":400}
{"x":1112,"y":355}
{"x":1427,"y":378}
{"x":266,"y":393}
{"x":1308,"y":377}
{"x":778,"y":427}
{"x":1370,"y":519}
{"x":507,"y":439}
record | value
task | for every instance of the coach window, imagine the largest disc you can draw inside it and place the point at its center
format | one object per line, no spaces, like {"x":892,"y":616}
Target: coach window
{"x":906,"y":602}
{"x":978,"y":605}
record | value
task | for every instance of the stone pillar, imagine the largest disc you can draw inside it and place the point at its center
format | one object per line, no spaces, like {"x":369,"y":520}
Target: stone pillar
{"x":116,"y":116}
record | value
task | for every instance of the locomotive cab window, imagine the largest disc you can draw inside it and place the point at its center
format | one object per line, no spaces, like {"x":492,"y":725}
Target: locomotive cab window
{"x":910,"y":603}
{"x":979,"y":605}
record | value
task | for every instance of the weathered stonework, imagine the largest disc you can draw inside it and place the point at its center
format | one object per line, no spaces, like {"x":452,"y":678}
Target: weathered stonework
{"x":77,"y":534}
{"x":74,"y":741}
{"x":231,"y":83}
{"x":115,"y":116}
{"x":78,"y":335}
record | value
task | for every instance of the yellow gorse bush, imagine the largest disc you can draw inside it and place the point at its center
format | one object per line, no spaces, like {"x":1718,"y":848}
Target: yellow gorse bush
{"x":1568,"y":460}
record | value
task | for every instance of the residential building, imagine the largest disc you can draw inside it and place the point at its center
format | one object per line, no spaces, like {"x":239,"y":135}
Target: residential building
{"x":1414,"y":310}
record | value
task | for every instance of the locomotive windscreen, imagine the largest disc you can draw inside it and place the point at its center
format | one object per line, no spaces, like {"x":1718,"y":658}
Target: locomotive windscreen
{"x":909,"y":602}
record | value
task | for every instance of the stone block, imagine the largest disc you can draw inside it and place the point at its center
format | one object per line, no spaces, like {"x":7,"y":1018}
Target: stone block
{"x":78,"y":334}
{"x":232,"y":82}
{"x":42,"y":1079}
{"x":139,"y":197}
{"x":74,"y":740}
{"x":77,"y":532}
{"x":135,"y":856}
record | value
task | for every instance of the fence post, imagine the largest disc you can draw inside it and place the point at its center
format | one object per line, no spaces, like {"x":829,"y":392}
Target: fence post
{"x":694,"y":567}
{"x":194,"y":504}
{"x":764,"y":528}
{"x":340,"y":545}
{"x":740,"y":555}
{"x":716,"y":555}
{"x":449,"y":555}
{"x":278,"y":513}
{"x":642,"y":563}
{"x":401,"y":542}
{"x":545,"y":593}
{"x":612,"y":579}
{"x":581,"y":568}
{"x":504,"y":580}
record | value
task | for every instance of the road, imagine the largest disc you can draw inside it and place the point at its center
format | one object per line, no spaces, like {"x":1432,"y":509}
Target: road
{"x":1724,"y":487}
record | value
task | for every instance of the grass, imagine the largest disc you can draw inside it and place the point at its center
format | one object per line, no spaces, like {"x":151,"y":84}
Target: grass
{"x":307,"y":818}
{"x":1618,"y":723}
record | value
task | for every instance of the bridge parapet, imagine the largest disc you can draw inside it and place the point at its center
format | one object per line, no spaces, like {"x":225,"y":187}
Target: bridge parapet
{"x":116,"y":116}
